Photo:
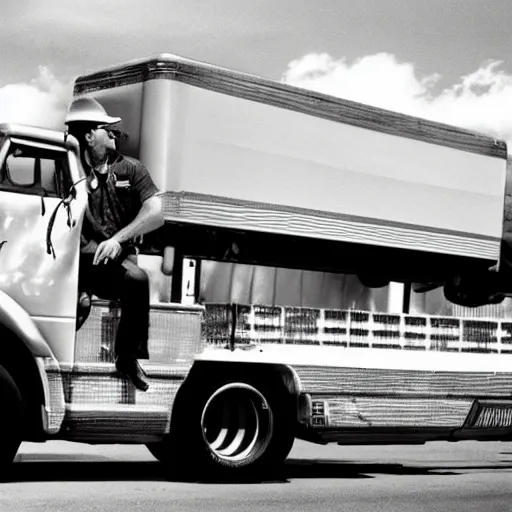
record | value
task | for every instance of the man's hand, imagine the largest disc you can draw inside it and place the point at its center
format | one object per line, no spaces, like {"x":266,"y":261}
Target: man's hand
{"x":108,"y":250}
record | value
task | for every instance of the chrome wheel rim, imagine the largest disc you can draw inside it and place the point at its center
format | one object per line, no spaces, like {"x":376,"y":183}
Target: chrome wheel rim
{"x":237,"y":423}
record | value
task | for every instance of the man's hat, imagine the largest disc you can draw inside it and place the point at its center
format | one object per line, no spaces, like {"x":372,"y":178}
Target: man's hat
{"x":88,"y":110}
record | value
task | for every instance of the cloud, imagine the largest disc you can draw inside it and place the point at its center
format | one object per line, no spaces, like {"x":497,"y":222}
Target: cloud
{"x":480,"y":101}
{"x":40,"y":102}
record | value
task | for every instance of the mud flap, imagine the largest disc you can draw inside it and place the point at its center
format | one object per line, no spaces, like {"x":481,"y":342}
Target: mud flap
{"x":488,"y":419}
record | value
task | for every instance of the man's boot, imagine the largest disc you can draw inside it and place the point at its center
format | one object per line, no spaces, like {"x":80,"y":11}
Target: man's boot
{"x":131,"y":369}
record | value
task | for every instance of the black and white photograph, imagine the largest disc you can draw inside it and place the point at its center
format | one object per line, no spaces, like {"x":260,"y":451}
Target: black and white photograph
{"x":256,"y":256}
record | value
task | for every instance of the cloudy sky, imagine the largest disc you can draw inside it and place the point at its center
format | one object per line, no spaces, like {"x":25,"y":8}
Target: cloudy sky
{"x":447,"y":60}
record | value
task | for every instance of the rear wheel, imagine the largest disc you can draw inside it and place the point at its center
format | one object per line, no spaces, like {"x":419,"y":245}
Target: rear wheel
{"x":233,"y":430}
{"x":10,"y":423}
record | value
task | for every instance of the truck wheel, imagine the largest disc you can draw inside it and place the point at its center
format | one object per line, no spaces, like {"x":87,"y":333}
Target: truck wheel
{"x":10,"y":439}
{"x":234,"y":430}
{"x":159,"y":451}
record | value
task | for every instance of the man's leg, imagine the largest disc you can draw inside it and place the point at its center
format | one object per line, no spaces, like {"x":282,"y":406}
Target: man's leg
{"x":132,"y":334}
{"x":128,"y":283}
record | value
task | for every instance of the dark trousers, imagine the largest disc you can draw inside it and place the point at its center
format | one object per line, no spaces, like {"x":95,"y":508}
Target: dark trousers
{"x":121,"y":280}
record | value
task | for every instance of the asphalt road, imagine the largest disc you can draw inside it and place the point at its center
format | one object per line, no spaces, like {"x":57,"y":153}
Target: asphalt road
{"x":465,"y":476}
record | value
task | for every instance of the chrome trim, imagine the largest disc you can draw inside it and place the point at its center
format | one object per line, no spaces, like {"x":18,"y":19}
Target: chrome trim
{"x":365,"y":412}
{"x":164,"y":370}
{"x":53,"y":409}
{"x":167,"y":306}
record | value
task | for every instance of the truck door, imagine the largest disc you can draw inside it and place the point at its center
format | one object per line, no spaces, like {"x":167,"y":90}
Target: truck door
{"x":34,"y":178}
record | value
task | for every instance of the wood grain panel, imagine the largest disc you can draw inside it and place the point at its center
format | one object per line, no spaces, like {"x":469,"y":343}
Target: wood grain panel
{"x":403,"y":383}
{"x":230,"y":213}
{"x":395,"y":412}
{"x":206,"y":76}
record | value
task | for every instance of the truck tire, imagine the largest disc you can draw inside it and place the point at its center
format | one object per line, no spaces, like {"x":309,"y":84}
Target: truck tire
{"x":231,"y":430}
{"x":10,"y":426}
{"x":159,"y":451}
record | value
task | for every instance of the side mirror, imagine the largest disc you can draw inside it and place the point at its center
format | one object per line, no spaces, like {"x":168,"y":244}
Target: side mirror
{"x":168,"y":260}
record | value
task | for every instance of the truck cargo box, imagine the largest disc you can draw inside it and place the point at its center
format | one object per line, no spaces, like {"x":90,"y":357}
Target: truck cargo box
{"x":240,"y":152}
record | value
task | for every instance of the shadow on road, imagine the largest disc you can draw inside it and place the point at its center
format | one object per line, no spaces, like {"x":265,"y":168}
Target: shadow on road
{"x":82,"y":470}
{"x":108,"y":470}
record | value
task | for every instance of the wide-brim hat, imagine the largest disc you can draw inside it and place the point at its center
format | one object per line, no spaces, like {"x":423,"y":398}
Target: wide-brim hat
{"x":89,"y":110}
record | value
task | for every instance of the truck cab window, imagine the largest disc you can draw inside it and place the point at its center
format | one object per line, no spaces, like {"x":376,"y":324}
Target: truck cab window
{"x":33,"y":169}
{"x":20,"y":169}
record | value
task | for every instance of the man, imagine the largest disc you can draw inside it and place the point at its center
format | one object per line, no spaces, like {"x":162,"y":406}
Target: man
{"x":123,"y":205}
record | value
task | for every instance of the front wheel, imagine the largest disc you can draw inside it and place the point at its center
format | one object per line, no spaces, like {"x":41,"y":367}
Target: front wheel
{"x":237,"y":425}
{"x":233,"y":430}
{"x":10,"y":423}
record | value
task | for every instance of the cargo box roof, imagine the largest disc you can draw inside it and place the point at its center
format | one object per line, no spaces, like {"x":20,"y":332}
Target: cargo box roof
{"x":207,"y":76}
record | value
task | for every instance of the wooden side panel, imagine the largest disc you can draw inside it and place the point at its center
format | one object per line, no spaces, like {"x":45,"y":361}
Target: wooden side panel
{"x":255,"y":216}
{"x":368,"y":412}
{"x":404,"y":383}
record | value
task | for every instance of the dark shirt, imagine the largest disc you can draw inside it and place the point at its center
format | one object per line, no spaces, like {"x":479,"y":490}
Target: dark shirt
{"x":115,"y":197}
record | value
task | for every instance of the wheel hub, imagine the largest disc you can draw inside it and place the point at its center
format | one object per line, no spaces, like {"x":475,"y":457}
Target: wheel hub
{"x":237,"y":423}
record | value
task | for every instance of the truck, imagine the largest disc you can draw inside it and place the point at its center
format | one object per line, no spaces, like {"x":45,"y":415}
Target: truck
{"x":258,"y":174}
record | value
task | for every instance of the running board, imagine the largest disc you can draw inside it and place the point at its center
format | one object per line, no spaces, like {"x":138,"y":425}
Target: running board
{"x":101,"y":385}
{"x":103,"y":407}
{"x":115,"y":423}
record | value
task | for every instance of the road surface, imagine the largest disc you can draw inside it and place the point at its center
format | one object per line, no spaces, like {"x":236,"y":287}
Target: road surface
{"x":447,"y":477}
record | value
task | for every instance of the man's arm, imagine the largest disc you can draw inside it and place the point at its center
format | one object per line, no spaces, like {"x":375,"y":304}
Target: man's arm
{"x":148,"y":219}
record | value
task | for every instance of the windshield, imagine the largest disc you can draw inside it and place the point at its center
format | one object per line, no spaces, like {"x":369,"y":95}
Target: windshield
{"x":34,"y":168}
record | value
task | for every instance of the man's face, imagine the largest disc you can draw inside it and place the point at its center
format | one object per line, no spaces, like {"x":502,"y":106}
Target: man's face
{"x":101,"y":139}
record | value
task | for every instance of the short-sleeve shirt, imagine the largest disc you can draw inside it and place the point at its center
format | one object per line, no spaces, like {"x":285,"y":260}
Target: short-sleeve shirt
{"x":116,"y":197}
